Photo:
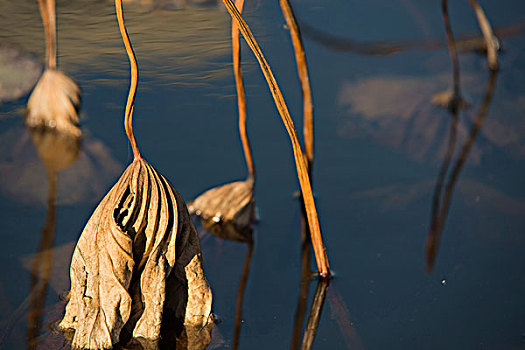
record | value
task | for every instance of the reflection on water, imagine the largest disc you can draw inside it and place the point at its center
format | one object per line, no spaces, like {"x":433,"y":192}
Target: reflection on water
{"x":240,"y":296}
{"x":380,"y":145}
{"x":18,"y":72}
{"x":176,"y":46}
{"x":229,"y":230}
{"x":465,"y":43}
{"x":57,"y":152}
{"x":315,"y":314}
{"x":407,"y":121}
{"x":441,"y":200}
{"x":56,"y":156}
{"x":304,"y":282}
{"x":23,"y":171}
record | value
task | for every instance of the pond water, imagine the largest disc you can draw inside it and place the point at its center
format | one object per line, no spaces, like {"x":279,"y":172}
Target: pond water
{"x":379,"y":146}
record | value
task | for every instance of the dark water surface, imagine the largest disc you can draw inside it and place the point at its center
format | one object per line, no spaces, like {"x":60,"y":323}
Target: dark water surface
{"x":380,"y":144}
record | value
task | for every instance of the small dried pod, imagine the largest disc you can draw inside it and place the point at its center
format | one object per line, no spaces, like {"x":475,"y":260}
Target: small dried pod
{"x":54,"y":103}
{"x":231,"y":203}
{"x":139,"y":247}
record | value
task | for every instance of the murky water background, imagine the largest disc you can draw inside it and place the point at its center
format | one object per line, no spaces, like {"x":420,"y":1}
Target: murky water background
{"x":379,"y":146}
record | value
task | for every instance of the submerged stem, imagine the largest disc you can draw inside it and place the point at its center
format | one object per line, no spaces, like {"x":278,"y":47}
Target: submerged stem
{"x":300,"y":163}
{"x":241,"y":96}
{"x":128,"y":116}
{"x":302,"y":70}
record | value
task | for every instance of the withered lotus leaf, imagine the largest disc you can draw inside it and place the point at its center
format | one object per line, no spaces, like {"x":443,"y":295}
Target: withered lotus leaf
{"x":54,"y":103}
{"x":139,"y":233}
{"x":232,"y":202}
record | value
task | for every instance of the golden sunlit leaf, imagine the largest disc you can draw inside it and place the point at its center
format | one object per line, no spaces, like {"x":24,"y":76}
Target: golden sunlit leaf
{"x":138,"y":258}
{"x":138,"y":234}
{"x":232,"y":202}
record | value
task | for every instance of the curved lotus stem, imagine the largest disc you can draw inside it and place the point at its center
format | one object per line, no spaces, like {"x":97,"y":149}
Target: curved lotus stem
{"x":300,"y":162}
{"x":241,"y":97}
{"x":302,"y":70}
{"x":128,"y":116}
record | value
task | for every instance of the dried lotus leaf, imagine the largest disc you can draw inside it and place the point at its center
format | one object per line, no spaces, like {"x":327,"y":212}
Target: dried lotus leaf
{"x":123,"y":260}
{"x":230,"y":203}
{"x":54,"y":103}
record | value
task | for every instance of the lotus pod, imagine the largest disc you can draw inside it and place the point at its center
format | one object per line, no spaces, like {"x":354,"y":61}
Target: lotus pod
{"x":137,"y":235}
{"x":54,"y":103}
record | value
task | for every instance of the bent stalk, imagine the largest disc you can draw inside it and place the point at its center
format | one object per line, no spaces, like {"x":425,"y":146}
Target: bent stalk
{"x":241,"y":96}
{"x":300,"y":163}
{"x":302,"y":71}
{"x":128,"y":116}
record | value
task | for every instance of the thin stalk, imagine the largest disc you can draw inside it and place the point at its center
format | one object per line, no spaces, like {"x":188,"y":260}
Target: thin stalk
{"x":306,"y":278}
{"x":432,"y":243}
{"x":241,"y":96}
{"x":240,"y":296}
{"x":488,"y":34}
{"x":456,"y":99}
{"x":315,"y":314}
{"x":302,"y":71}
{"x":438,"y":191}
{"x":300,"y":163}
{"x":128,"y":116}
{"x":47,"y":12}
{"x":433,"y":235}
{"x":41,"y":268}
{"x":40,"y":275}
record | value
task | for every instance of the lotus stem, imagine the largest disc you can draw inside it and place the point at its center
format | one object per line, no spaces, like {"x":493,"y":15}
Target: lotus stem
{"x":456,"y":98}
{"x":488,"y":34}
{"x":128,"y":116}
{"x":302,"y":70}
{"x":300,"y":163}
{"x":241,"y":96}
{"x":48,"y":14}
